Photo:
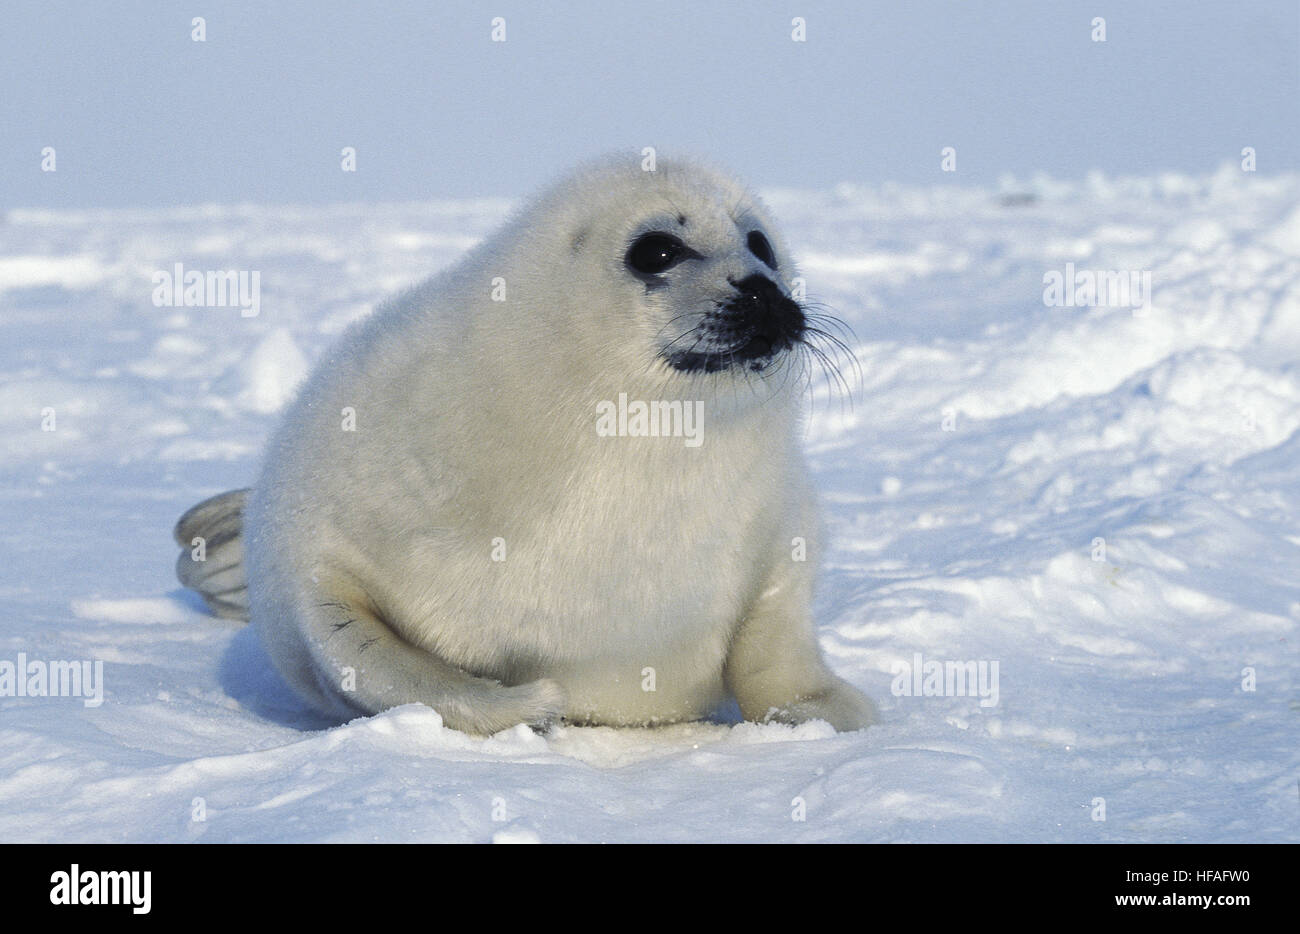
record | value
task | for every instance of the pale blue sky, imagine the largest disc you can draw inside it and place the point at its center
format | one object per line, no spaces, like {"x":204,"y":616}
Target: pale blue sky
{"x":141,"y":115}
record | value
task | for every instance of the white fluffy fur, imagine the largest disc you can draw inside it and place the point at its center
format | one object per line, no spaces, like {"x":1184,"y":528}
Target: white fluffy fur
{"x":475,"y":420}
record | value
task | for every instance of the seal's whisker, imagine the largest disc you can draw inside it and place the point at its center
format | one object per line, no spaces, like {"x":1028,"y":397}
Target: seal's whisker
{"x":837,"y":349}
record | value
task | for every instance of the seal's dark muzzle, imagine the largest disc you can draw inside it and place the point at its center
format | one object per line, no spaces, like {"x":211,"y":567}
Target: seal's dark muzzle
{"x":749,"y":328}
{"x":764,"y":320}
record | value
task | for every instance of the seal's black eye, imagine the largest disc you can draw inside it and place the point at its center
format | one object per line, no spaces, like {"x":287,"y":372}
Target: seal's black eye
{"x":654,"y":252}
{"x":759,"y":246}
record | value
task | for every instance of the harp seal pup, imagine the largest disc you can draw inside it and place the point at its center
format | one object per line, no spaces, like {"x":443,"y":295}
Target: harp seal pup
{"x":442,"y":519}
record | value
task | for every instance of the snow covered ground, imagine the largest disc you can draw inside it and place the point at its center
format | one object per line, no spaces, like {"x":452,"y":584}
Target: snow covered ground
{"x":1103,"y":503}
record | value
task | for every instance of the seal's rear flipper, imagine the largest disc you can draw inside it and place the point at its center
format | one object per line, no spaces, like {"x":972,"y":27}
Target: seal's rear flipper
{"x":212,"y":556}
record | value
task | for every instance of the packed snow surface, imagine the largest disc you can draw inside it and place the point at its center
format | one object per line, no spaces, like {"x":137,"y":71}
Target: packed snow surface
{"x":1095,"y":494}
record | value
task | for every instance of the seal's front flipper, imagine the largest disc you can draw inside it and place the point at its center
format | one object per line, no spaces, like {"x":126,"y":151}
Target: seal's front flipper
{"x":775,"y":668}
{"x":212,"y":558}
{"x":361,"y":665}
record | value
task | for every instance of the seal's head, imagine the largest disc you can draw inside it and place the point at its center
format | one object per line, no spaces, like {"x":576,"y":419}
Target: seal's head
{"x":690,"y":265}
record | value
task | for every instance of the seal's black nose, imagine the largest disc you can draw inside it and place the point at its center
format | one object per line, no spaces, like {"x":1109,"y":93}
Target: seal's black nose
{"x":774,"y":322}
